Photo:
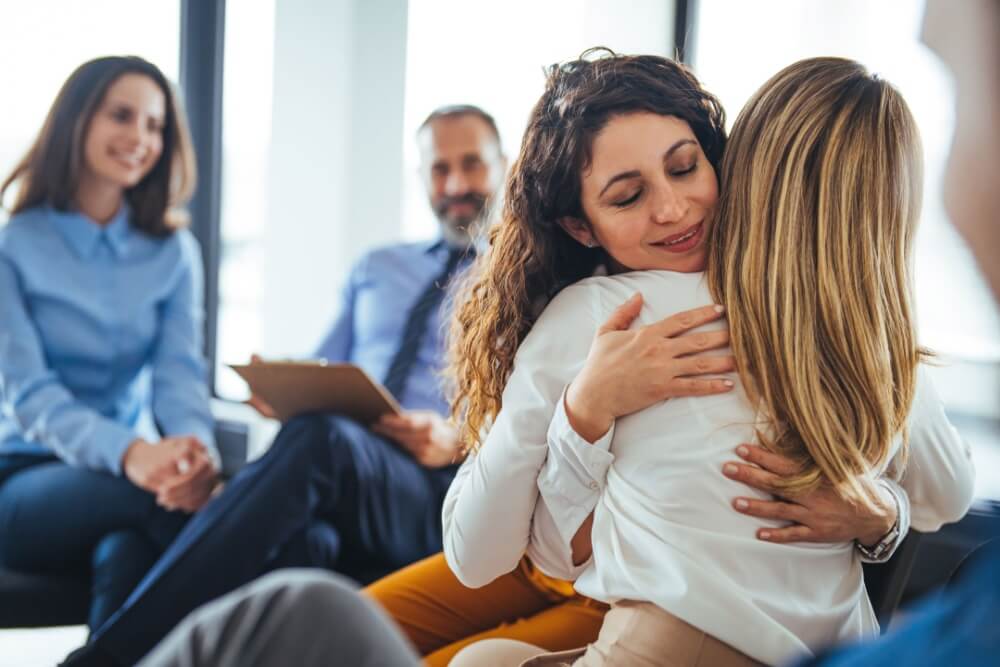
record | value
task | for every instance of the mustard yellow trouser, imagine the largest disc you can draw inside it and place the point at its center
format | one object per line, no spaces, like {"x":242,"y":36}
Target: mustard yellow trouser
{"x":441,"y":616}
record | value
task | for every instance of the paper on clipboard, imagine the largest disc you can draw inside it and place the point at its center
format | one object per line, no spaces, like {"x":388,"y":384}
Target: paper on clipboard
{"x":293,"y":388}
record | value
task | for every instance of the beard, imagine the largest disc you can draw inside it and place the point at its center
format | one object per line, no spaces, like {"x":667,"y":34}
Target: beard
{"x":477,"y":202}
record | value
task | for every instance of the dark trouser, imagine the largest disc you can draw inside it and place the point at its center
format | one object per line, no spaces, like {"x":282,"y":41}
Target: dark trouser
{"x":328,"y":492}
{"x":58,"y":519}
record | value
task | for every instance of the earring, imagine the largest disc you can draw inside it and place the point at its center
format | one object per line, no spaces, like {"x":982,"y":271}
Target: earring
{"x":591,"y":243}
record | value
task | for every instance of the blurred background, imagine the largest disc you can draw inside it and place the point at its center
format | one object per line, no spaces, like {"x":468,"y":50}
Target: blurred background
{"x":304,"y":113}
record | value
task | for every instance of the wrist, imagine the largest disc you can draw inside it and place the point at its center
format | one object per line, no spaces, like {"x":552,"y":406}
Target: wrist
{"x":131,"y":450}
{"x":584,"y":414}
{"x":884,"y":522}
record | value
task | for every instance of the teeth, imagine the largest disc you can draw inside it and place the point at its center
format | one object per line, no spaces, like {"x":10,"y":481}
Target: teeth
{"x":684,"y":238}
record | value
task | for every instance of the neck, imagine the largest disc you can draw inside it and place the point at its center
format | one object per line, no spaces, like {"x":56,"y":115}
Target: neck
{"x":97,"y":199}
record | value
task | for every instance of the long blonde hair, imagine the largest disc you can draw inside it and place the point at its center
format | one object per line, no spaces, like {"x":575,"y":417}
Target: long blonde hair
{"x":810,"y":255}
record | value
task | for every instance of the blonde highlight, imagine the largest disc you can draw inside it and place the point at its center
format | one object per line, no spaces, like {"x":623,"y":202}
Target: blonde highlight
{"x":810,"y":255}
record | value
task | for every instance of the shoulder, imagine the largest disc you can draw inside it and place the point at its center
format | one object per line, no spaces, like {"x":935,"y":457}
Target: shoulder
{"x":396,"y":251}
{"x":24,"y":229}
{"x":663,"y":293}
{"x":388,"y":257}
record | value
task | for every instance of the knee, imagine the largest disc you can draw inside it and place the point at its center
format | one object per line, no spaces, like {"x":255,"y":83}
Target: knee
{"x":300,"y":436}
{"x":310,"y":593}
{"x":121,"y":553}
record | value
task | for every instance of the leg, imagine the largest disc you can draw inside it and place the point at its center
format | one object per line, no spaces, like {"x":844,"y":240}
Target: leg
{"x":435,"y":610}
{"x":55,"y":518}
{"x":562,"y":627}
{"x":290,"y":617}
{"x":118,"y":564}
{"x":311,"y":470}
{"x":496,"y":653}
{"x":385,"y":506}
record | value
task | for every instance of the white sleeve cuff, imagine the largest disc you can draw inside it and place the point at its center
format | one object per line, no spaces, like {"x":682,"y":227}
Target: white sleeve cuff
{"x":902,"y":519}
{"x":574,"y":473}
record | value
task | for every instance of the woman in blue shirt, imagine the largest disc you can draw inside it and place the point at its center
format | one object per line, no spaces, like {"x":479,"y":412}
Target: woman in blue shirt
{"x":105,"y":431}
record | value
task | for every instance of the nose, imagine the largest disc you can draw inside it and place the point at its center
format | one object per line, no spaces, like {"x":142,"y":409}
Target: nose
{"x":456,"y":183}
{"x":668,"y":205}
{"x":134,"y":134}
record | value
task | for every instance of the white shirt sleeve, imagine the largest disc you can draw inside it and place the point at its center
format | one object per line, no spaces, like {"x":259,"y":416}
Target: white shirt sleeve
{"x":939,"y":475}
{"x":487,"y":514}
{"x":570,"y":484}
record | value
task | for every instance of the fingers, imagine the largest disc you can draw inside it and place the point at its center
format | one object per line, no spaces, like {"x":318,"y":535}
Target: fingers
{"x":703,"y":365}
{"x":691,"y":387}
{"x":699,"y":342}
{"x":190,"y":492}
{"x":787,"y":535}
{"x":689,"y":319}
{"x":623,"y":316}
{"x":769,"y":461}
{"x":752,"y":476}
{"x":261,"y":406}
{"x":771,"y":509}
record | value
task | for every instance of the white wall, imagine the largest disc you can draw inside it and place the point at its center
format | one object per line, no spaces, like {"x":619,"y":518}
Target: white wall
{"x":336,"y":156}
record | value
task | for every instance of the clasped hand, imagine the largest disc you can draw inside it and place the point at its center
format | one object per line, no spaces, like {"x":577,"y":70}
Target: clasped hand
{"x":178,"y":470}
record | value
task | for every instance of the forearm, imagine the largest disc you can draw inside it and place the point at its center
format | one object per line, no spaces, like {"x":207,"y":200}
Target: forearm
{"x":487,"y":518}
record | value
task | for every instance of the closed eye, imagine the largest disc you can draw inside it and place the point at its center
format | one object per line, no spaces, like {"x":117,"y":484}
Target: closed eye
{"x":624,"y":203}
{"x":685,"y":172}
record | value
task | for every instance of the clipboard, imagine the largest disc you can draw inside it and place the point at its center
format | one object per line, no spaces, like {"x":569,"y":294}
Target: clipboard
{"x":293,"y":388}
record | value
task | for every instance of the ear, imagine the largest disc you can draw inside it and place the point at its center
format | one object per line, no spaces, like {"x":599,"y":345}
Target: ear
{"x":579,"y":230}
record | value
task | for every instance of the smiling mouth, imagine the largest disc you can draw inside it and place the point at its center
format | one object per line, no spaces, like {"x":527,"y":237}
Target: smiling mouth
{"x":682,"y":241}
{"x":131,"y":160}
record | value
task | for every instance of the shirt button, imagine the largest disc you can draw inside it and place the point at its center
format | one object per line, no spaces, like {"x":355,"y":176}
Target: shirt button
{"x":594,"y":486}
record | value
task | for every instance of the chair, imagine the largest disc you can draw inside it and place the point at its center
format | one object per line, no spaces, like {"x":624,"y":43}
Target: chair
{"x":887,"y":581}
{"x":37,"y":600}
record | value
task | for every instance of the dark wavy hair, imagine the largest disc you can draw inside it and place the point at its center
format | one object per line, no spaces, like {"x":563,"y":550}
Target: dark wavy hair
{"x":530,"y":256}
{"x":49,"y":173}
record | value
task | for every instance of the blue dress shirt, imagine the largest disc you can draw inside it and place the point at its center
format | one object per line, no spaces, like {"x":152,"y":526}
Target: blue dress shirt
{"x":100,"y":338}
{"x":380,"y":291}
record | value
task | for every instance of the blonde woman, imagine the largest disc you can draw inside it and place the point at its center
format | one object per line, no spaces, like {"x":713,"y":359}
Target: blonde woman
{"x":808,"y":253}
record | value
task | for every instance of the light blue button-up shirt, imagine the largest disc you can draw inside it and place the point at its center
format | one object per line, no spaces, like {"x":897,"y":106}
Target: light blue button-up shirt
{"x":380,"y":291}
{"x":100,"y":338}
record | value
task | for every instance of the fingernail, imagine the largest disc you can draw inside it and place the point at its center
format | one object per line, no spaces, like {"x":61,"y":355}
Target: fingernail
{"x":765,"y":535}
{"x":743,"y":451}
{"x":730,"y":469}
{"x":729,"y":383}
{"x":720,"y":309}
{"x":741,"y":504}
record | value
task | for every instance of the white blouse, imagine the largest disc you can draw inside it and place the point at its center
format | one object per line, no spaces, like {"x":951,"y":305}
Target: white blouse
{"x":664,"y":529}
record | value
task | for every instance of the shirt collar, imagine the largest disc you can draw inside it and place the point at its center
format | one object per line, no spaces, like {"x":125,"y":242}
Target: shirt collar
{"x":84,"y":235}
{"x":441,"y":248}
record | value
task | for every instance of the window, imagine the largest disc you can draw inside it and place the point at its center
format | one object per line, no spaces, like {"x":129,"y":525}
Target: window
{"x":248,"y":65}
{"x":33,"y":70}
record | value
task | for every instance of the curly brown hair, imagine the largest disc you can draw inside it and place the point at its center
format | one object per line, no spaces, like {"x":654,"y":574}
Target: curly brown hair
{"x":530,"y":257}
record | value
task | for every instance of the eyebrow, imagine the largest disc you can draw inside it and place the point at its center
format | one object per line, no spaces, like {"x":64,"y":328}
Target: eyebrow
{"x":632,"y":174}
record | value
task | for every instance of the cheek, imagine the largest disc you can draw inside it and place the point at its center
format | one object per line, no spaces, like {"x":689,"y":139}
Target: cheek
{"x":707,"y":192}
{"x":94,"y":144}
{"x":156,"y":147}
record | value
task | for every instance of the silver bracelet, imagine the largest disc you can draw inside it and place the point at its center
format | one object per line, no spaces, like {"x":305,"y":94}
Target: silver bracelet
{"x":887,"y":541}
